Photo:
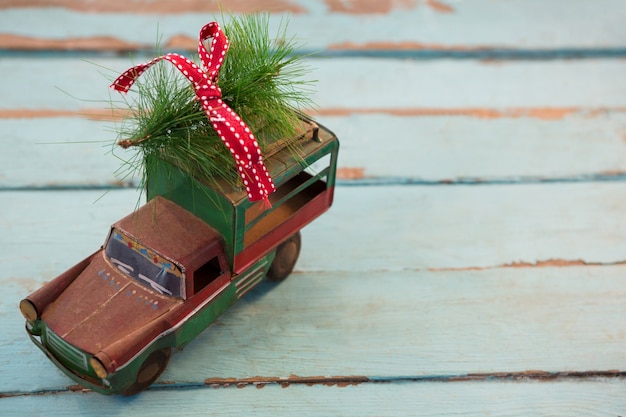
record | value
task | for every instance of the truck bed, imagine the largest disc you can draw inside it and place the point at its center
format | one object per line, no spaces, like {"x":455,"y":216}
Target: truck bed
{"x":293,"y":201}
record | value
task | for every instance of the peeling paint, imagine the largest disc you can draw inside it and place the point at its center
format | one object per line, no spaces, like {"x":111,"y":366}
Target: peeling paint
{"x":345,"y":381}
{"x":405,"y":46}
{"x":181,"y":42}
{"x":360,"y":7}
{"x":161,"y":6}
{"x":368,"y":6}
{"x":12,"y":42}
{"x":439,"y":6}
{"x":91,"y":114}
{"x":96,"y":43}
{"x":549,"y":263}
{"x":542,"y":113}
{"x":78,"y":388}
{"x":350,"y":173}
{"x":260,"y":382}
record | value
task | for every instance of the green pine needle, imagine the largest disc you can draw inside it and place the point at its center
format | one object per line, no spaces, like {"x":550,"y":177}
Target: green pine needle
{"x":261,"y":79}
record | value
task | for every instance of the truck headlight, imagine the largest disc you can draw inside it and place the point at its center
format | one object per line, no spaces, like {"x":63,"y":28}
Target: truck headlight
{"x":29,"y":311}
{"x":98,"y":367}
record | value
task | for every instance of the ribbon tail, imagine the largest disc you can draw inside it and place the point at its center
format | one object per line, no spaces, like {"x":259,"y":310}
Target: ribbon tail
{"x":266,"y":204}
{"x":258,"y":183}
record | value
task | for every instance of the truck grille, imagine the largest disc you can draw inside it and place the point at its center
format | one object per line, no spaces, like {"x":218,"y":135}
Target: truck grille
{"x":65,"y":351}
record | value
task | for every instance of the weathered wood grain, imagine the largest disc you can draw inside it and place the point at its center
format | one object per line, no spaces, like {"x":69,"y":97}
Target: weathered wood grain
{"x":406,"y":288}
{"x":449,"y":148}
{"x":384,"y":325}
{"x":76,"y":152}
{"x":544,"y":89}
{"x":434,"y":25}
{"x":578,"y":131}
{"x":73,"y":152}
{"x":398,"y":283}
{"x":381,"y":228}
{"x":597,"y":398}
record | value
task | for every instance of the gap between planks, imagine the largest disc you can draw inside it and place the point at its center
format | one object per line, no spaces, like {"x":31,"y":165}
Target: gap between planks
{"x":541,"y":113}
{"x":16,"y":45}
{"x":344,"y":381}
{"x":356,"y":177}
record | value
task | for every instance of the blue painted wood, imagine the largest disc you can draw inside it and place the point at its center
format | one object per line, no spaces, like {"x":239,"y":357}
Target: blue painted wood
{"x":76,"y":151}
{"x":602,"y":398}
{"x":389,"y":227}
{"x":537,"y":143}
{"x":71,"y":84}
{"x":510,"y":23}
{"x":411,"y":285}
{"x":428,"y":148}
{"x":364,"y":306}
{"x":430,"y":330}
{"x":438,"y":325}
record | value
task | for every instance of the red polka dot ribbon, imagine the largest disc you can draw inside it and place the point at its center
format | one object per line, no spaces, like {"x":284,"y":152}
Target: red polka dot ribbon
{"x":233,"y":131}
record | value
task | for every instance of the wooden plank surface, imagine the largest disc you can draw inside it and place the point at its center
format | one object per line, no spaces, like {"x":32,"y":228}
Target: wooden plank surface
{"x":515,"y":322}
{"x":569,"y":124}
{"x":428,"y":227}
{"x":473,"y":261}
{"x":394,"y":400}
{"x":557,"y":87}
{"x":433,"y":25}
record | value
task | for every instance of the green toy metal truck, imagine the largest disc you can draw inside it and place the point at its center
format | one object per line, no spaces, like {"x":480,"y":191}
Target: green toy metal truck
{"x":168,"y":270}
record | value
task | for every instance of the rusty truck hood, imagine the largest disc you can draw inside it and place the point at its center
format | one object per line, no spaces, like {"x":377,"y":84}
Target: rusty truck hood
{"x":102,"y":306}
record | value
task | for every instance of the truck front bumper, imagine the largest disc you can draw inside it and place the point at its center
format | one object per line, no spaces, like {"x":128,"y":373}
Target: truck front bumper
{"x":101,"y":386}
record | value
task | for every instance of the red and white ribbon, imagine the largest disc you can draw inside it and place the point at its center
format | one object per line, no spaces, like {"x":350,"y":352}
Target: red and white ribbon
{"x":233,"y":131}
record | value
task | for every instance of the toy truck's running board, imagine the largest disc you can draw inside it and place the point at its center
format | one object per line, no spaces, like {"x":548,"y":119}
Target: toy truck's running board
{"x":304,"y":176}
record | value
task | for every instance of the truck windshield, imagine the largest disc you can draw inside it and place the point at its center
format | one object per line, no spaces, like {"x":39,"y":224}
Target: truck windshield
{"x":143,"y":264}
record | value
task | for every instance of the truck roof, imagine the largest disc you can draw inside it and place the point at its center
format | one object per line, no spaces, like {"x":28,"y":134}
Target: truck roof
{"x":172,"y":231}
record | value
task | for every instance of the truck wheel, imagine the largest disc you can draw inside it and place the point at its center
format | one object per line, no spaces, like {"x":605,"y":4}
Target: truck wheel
{"x":285,"y":259}
{"x":149,"y":371}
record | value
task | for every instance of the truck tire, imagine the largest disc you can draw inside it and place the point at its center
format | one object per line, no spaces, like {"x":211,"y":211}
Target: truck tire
{"x":285,"y":259}
{"x":149,"y":371}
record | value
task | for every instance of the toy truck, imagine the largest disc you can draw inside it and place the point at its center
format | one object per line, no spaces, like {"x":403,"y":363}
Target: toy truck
{"x":168,"y":270}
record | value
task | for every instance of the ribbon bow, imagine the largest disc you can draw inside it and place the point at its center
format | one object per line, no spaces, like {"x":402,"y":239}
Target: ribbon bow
{"x":233,"y":131}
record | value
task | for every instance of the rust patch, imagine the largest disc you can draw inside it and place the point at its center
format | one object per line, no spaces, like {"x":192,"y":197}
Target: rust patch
{"x":77,"y":388}
{"x":96,"y":43}
{"x":547,"y":113}
{"x":161,"y":6}
{"x":544,"y":113}
{"x":368,"y":6}
{"x":612,"y":173}
{"x":439,"y":6}
{"x":382,"y":6}
{"x":181,"y":42}
{"x":92,"y":114}
{"x":351,"y":173}
{"x":550,"y":263}
{"x":547,"y":263}
{"x":260,"y":381}
{"x":404,"y":46}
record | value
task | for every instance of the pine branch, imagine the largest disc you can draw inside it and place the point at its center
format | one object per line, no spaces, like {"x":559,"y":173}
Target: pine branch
{"x":261,"y":79}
